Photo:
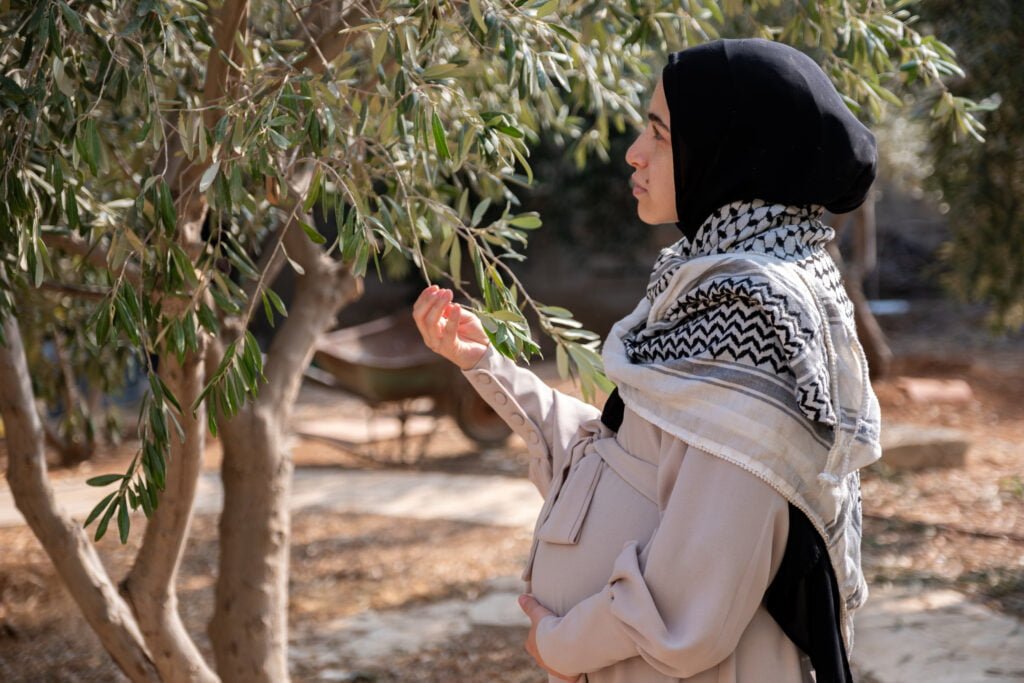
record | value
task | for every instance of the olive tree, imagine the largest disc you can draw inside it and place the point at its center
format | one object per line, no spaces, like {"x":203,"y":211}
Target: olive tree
{"x":163,"y":159}
{"x":982,"y":184}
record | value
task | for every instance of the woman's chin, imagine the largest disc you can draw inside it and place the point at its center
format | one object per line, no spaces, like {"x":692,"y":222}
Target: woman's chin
{"x":652,"y":220}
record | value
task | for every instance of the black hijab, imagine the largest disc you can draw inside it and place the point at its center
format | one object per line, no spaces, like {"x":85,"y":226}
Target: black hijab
{"x":756,"y":119}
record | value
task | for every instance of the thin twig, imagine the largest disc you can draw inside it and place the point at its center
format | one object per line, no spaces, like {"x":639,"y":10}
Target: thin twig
{"x":289,"y":224}
{"x":91,"y":253}
{"x":78,"y":291}
{"x":312,"y":41}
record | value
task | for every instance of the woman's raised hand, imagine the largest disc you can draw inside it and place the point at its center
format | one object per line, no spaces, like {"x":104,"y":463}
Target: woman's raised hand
{"x":448,"y":329}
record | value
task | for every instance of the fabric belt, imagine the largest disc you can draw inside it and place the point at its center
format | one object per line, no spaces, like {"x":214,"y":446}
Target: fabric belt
{"x":561,"y":518}
{"x":637,"y":472}
{"x":564,"y":519}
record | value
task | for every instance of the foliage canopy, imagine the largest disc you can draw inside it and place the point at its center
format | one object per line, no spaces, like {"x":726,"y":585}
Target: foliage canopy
{"x":983,"y":184}
{"x":408,"y":123}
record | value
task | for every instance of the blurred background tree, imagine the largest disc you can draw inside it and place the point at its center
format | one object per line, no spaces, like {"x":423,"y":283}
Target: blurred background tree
{"x":163,"y":159}
{"x":982,"y":186}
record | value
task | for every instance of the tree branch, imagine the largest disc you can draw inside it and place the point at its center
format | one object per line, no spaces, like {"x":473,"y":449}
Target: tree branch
{"x":151,"y":581}
{"x":869,"y":332}
{"x":227,"y":25}
{"x":326,"y":286}
{"x":90,"y":253}
{"x":305,"y":29}
{"x":271,"y":261}
{"x":70,"y":550}
{"x":78,"y":291}
{"x":150,"y":585}
{"x":334,"y":40}
{"x":250,"y":622}
{"x":182,"y":173}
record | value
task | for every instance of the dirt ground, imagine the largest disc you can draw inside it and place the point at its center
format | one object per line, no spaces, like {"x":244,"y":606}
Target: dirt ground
{"x":341,"y":565}
{"x":958,"y":528}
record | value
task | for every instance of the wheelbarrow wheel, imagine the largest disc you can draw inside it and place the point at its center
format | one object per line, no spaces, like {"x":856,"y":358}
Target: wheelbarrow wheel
{"x":477,"y":420}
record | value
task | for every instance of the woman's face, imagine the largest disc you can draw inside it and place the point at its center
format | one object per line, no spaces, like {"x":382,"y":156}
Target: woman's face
{"x":651,"y":155}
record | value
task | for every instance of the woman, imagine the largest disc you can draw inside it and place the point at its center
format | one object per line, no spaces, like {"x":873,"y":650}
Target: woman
{"x":706,"y":525}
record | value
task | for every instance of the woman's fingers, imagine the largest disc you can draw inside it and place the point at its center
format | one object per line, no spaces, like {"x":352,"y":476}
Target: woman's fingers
{"x":448,"y":329}
{"x":432,"y":316}
{"x":536,"y":612}
{"x":533,"y":609}
{"x":423,"y":299}
{"x":422,"y":304}
{"x":451,"y":328}
{"x":431,"y":306}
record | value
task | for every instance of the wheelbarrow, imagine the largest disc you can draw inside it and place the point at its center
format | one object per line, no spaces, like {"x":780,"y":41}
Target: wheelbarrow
{"x":385,"y":363}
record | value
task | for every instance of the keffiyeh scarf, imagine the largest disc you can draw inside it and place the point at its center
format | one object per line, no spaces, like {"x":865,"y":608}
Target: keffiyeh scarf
{"x":745,"y":346}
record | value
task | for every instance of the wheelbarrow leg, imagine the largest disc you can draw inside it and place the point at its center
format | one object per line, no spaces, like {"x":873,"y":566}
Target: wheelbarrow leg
{"x":371,"y":433}
{"x":405,"y":440}
{"x":403,"y":437}
{"x":425,"y":442}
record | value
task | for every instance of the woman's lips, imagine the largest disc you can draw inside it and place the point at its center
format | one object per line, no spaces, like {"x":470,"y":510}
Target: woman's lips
{"x":638,"y":190}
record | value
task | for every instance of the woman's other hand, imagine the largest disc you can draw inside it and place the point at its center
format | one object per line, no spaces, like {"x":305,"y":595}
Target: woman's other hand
{"x":448,"y":329}
{"x":536,"y":612}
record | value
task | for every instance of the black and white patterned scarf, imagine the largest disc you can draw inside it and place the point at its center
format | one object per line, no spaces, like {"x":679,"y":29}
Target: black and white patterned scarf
{"x":743,"y":318}
{"x":745,"y":347}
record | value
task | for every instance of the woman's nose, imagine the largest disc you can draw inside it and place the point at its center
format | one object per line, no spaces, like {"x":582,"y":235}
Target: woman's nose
{"x":634,"y":155}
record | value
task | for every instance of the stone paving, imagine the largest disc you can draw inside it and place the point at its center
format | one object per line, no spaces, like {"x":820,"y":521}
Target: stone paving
{"x":936,"y":635}
{"x":366,"y":639}
{"x":482,"y":499}
{"x":925,"y":636}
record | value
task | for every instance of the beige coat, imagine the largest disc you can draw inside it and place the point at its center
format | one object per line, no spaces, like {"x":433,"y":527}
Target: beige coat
{"x":656,"y":555}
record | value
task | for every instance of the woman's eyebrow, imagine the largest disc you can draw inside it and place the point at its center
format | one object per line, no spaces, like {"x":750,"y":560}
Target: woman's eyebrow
{"x":654,"y":118}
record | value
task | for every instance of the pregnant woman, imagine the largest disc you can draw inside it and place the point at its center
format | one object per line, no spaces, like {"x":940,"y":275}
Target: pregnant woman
{"x":706,"y":525}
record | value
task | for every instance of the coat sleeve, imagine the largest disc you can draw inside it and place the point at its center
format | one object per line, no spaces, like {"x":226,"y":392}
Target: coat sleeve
{"x":683,"y":601}
{"x":546,"y":419}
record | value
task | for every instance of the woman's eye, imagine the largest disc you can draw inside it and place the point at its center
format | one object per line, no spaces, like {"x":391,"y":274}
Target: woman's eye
{"x":657,"y":135}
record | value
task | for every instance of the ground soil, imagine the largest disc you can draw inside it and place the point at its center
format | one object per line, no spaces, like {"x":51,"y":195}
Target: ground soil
{"x":341,"y":565}
{"x":960,"y":528}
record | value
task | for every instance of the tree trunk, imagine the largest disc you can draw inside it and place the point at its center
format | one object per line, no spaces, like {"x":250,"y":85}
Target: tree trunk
{"x":150,"y":585}
{"x":872,"y":338}
{"x":64,"y":540}
{"x":249,"y":629}
{"x":77,"y":447}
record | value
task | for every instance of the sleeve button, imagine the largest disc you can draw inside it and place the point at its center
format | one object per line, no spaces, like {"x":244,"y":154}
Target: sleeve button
{"x":518,"y":420}
{"x":533,"y":438}
{"x":484,"y":379}
{"x":500,"y":399}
